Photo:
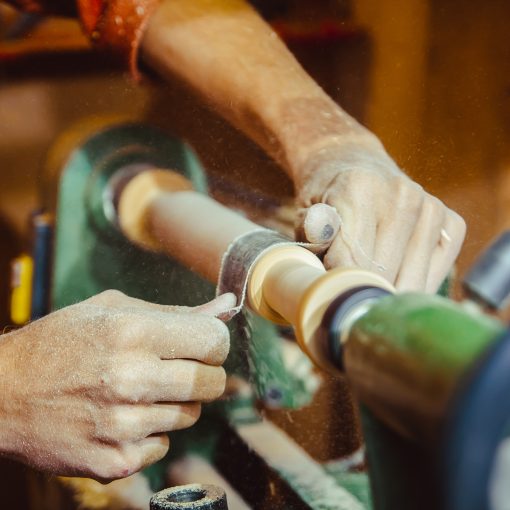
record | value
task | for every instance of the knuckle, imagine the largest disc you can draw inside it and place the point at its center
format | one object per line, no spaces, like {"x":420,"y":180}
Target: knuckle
{"x":110,"y":329}
{"x":94,"y":322}
{"x":109,"y":297}
{"x":122,"y":425}
{"x":113,"y":465}
{"x":125,"y":385}
{"x":127,"y":331}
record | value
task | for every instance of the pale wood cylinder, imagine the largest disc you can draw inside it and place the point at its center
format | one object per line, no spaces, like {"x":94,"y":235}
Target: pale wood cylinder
{"x":162,"y":213}
{"x":195,"y":230}
{"x":286,"y":285}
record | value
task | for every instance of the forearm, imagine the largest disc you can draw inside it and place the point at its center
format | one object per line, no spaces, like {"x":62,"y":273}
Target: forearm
{"x":237,"y":62}
{"x":9,"y":423}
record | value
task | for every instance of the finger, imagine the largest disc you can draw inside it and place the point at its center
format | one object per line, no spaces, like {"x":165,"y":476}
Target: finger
{"x":445,"y":254}
{"x":150,"y":449}
{"x":318,"y":224}
{"x":415,"y":266}
{"x":135,"y":422}
{"x":130,"y":458}
{"x":115,"y":299}
{"x":167,"y":417}
{"x":191,"y":336}
{"x":186,"y":381}
{"x":394,"y":233}
{"x":339,"y":254}
{"x":354,"y":243}
{"x":218,"y":307}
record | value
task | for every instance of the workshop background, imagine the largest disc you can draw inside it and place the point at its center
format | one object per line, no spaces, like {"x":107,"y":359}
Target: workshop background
{"x":430,"y":78}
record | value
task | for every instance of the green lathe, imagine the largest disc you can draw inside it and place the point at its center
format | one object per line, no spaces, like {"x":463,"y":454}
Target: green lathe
{"x":431,"y":376}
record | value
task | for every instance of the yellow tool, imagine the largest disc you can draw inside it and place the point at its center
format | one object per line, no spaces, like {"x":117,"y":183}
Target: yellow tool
{"x":22,"y":270}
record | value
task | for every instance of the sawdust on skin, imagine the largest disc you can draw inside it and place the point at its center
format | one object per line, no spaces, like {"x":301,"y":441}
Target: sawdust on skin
{"x":92,"y":389}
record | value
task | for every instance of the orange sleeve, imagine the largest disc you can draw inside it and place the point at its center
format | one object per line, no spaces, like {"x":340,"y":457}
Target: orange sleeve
{"x":116,"y":26}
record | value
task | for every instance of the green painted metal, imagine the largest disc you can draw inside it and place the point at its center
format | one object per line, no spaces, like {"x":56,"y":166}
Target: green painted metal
{"x":353,"y":481}
{"x":443,"y":335}
{"x":406,"y":358}
{"x":276,"y":384}
{"x":91,"y":255}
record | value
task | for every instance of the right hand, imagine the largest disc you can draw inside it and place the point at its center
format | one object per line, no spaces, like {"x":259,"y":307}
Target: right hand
{"x":385,"y":222}
{"x":92,"y":389}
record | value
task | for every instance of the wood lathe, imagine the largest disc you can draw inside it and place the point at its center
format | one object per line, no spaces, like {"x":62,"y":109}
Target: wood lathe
{"x":285,"y":283}
{"x":132,"y":213}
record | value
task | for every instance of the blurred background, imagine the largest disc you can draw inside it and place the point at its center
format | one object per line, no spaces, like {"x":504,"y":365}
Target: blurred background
{"x":430,"y":78}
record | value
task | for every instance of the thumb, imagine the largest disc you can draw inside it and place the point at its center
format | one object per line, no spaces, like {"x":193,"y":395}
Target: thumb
{"x":318,"y":224}
{"x":219,"y":307}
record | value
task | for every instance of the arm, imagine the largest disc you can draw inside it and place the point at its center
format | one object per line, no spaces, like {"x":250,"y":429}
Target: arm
{"x":233,"y":58}
{"x":238,"y":63}
{"x":92,"y":389}
{"x":222,"y":48}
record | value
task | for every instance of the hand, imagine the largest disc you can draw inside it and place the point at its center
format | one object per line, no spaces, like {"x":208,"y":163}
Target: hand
{"x":387,"y":223}
{"x":91,"y":389}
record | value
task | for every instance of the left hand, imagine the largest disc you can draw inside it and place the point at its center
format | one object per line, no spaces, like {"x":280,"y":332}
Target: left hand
{"x":388,"y":223}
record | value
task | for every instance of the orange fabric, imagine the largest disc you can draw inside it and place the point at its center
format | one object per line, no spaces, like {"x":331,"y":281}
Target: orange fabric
{"x":114,"y":25}
{"x":90,"y":11}
{"x":117,"y":26}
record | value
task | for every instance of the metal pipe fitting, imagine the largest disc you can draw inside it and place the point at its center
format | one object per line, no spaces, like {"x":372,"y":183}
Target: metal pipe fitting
{"x":190,"y":497}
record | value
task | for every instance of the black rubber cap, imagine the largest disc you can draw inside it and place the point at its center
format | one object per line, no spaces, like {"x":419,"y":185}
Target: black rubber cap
{"x":190,"y":497}
{"x":334,"y":319}
{"x":489,"y":279}
{"x":477,"y":423}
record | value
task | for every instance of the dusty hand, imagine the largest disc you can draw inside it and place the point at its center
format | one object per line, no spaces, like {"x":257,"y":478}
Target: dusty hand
{"x":388,"y":223}
{"x":91,"y":389}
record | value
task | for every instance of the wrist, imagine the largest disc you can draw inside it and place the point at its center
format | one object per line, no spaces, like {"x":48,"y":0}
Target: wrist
{"x":317,"y":130}
{"x":337,"y":155}
{"x":9,"y":426}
